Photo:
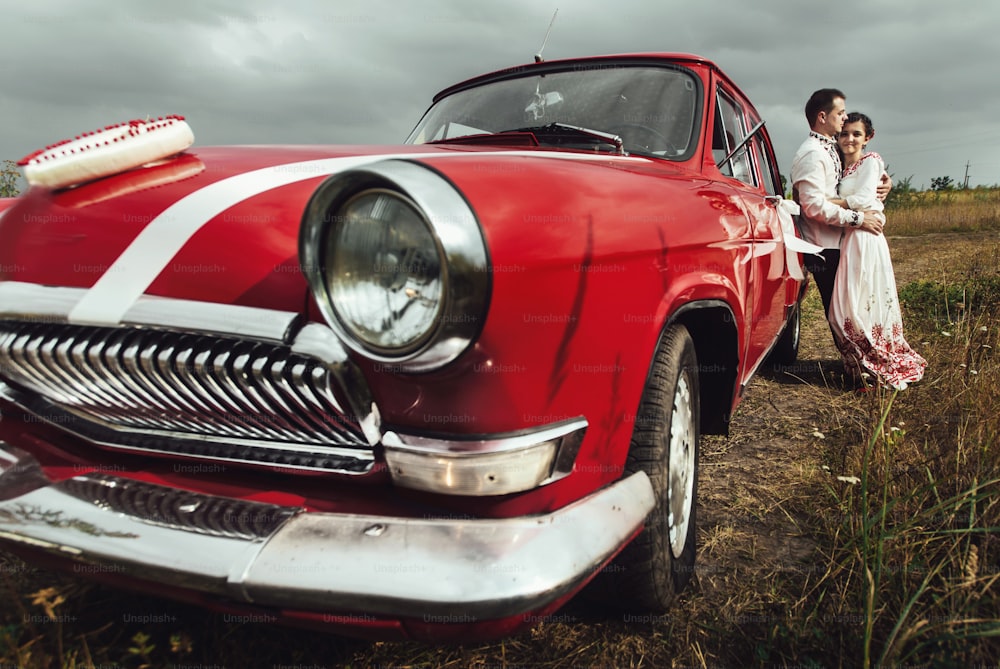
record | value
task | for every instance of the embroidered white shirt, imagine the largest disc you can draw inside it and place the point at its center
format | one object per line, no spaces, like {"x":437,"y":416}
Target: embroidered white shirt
{"x":815,"y":174}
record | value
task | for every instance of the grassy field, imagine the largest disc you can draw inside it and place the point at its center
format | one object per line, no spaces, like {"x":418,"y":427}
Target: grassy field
{"x":928,"y":212}
{"x":837,"y":529}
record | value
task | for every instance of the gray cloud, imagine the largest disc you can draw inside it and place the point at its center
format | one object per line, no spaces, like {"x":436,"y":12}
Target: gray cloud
{"x":363,"y":72}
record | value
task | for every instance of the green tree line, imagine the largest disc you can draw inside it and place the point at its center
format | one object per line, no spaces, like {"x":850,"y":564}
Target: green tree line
{"x":10,"y":178}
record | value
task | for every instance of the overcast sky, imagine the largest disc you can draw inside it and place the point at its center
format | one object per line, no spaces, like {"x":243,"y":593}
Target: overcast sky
{"x":352,"y":72}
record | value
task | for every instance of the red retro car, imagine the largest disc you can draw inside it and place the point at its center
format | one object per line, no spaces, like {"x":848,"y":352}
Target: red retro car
{"x":426,"y":391}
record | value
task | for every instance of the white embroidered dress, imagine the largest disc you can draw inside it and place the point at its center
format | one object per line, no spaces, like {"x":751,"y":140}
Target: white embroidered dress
{"x":864,"y":311}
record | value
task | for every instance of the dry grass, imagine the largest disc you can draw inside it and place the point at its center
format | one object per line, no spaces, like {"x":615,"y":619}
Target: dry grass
{"x":795,"y":568}
{"x":919,"y":554}
{"x":931,"y":212}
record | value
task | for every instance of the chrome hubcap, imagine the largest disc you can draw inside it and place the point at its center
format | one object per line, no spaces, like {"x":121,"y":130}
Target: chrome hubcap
{"x":681,"y":457}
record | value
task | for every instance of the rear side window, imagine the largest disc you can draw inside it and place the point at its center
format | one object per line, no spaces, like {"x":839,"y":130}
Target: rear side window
{"x":729,"y":131}
{"x":768,"y":171}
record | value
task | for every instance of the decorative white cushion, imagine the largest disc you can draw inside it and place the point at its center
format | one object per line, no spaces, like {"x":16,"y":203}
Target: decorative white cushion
{"x":114,"y":149}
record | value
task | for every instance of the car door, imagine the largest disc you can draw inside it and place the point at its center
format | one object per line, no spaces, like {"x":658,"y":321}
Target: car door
{"x":752,"y":174}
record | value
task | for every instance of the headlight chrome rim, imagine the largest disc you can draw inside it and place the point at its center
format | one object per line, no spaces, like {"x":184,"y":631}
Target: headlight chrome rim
{"x":461,"y":248}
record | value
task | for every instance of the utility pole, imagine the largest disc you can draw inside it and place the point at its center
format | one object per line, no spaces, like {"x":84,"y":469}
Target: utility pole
{"x":966,"y":184}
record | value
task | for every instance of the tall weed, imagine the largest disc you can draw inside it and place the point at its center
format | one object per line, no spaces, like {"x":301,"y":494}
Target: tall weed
{"x":920,"y":537}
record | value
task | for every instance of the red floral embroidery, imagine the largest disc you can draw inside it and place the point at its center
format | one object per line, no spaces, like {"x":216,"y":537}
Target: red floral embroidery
{"x":890,"y":359}
{"x":853,"y":168}
{"x":830,"y":146}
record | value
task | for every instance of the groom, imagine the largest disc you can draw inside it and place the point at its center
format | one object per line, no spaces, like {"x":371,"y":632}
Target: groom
{"x":815,"y":173}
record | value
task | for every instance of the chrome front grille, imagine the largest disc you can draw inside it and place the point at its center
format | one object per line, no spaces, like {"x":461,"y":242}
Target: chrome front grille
{"x":196,"y":395}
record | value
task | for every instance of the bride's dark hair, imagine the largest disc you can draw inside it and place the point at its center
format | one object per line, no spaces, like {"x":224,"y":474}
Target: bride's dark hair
{"x":854,"y":117}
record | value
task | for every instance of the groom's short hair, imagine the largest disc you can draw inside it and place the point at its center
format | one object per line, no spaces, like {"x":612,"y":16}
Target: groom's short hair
{"x":821,"y":101}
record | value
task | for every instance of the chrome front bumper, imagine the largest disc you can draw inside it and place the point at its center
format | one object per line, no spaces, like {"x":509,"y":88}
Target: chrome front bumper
{"x":268,"y":555}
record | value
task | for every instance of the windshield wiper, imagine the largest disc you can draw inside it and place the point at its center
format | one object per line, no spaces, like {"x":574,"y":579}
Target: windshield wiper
{"x":554,"y":132}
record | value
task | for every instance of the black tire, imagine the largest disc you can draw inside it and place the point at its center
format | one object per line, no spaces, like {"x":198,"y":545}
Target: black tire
{"x":786,"y":351}
{"x":658,"y":563}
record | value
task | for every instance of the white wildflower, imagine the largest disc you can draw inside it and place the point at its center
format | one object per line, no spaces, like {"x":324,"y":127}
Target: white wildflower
{"x":818,"y":434}
{"x":853,"y":480}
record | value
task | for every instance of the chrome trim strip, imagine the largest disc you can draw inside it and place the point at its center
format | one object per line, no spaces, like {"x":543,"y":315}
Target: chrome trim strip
{"x":191,"y":316}
{"x":35,"y":303}
{"x":32,"y":302}
{"x":488,"y":443}
{"x":381,"y":565}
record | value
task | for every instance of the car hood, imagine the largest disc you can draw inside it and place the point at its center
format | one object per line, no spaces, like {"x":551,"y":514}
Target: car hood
{"x":217,"y":224}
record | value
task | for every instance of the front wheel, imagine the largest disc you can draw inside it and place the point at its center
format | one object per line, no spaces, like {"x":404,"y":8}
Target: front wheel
{"x":659,"y":562}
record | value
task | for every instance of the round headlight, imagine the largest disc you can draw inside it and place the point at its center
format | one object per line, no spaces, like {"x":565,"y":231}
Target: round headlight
{"x":397,"y":262}
{"x":384,"y":272}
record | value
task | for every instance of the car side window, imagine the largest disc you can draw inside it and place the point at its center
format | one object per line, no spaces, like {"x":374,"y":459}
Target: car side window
{"x":772,"y":182}
{"x":729,"y":130}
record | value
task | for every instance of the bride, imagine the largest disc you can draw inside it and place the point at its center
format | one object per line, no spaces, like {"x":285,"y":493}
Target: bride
{"x":864,"y":311}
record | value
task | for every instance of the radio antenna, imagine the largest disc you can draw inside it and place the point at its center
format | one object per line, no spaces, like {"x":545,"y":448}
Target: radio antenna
{"x":538,"y":56}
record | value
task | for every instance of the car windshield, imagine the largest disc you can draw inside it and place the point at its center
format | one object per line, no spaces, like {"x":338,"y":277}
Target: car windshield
{"x":652,"y":109}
